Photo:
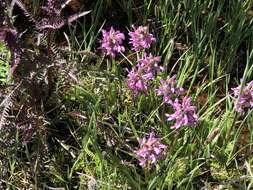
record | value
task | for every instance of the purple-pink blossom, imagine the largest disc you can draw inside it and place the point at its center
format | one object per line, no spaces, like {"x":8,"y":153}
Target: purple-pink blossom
{"x":168,"y":88}
{"x":244,"y":100}
{"x":151,"y":149}
{"x":185,"y":113}
{"x":112,"y":41}
{"x":144,"y":71}
{"x":140,"y":38}
{"x":149,"y":65}
{"x":136,"y":82}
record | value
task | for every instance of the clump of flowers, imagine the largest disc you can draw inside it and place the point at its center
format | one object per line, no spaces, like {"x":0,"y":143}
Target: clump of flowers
{"x":185,"y":113}
{"x":143,"y":72}
{"x":140,"y":38}
{"x":149,"y":65}
{"x":112,"y":41}
{"x":168,"y":88}
{"x":151,"y":149}
{"x":136,"y":82}
{"x":245,"y":98}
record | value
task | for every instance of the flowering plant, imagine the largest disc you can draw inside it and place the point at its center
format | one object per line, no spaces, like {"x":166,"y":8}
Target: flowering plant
{"x":245,"y":97}
{"x":151,"y":149}
{"x":140,"y":38}
{"x":111,"y":43}
{"x":185,"y":113}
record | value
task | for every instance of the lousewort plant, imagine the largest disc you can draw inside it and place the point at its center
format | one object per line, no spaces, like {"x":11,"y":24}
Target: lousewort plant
{"x":168,"y":88}
{"x":151,"y":149}
{"x":144,"y":71}
{"x":147,"y":67}
{"x":185,"y":113}
{"x":140,"y":38}
{"x":136,"y":82}
{"x":111,"y":42}
{"x":245,"y":98}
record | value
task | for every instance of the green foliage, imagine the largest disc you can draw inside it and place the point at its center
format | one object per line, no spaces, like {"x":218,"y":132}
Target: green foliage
{"x":4,"y":64}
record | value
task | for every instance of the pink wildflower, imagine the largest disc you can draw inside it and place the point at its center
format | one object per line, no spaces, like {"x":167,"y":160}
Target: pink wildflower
{"x":167,"y":88}
{"x":140,"y":38}
{"x":149,"y":65}
{"x":150,"y":150}
{"x":245,"y":100}
{"x":143,"y":72}
{"x":111,"y":43}
{"x":185,"y":113}
{"x":136,"y":82}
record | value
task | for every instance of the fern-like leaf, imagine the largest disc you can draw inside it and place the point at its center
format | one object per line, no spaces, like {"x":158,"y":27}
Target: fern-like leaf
{"x":7,"y":104}
{"x":26,"y":13}
{"x":59,"y":23}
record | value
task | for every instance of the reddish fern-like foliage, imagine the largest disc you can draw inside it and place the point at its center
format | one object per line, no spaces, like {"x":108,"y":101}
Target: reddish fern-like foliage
{"x":47,"y":26}
{"x":25,"y":106}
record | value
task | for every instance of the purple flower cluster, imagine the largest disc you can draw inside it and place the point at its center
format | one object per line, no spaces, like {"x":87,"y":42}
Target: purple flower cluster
{"x":111,"y":43}
{"x":185,"y":113}
{"x":112,"y":40}
{"x":151,"y":149}
{"x":138,"y":81}
{"x":140,"y":38}
{"x":245,"y":98}
{"x":144,"y":71}
{"x":167,"y":88}
{"x":147,"y":66}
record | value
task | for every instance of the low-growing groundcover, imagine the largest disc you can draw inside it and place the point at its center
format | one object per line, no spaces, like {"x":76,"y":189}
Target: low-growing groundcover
{"x":126,"y":94}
